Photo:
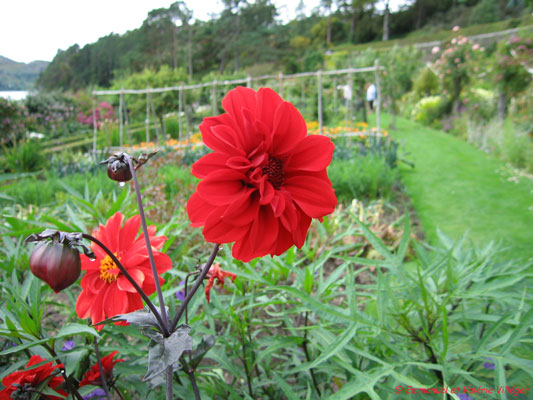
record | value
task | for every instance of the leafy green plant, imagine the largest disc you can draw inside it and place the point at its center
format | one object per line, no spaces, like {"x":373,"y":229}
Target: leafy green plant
{"x":24,"y":156}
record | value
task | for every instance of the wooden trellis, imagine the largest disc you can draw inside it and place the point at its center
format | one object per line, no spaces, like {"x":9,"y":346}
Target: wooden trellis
{"x":279,"y":78}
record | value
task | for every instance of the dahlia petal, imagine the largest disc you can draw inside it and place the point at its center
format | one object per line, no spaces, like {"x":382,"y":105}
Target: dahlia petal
{"x":266,"y":191}
{"x":222,"y":187}
{"x":300,"y":232}
{"x":278,"y":204}
{"x":313,"y":195}
{"x":209,"y":163}
{"x":283,"y":242}
{"x":289,"y":129}
{"x":198,"y":210}
{"x":111,"y":231}
{"x":236,"y":100}
{"x":216,"y":230}
{"x":128,"y":232}
{"x":124,"y":284}
{"x":263,"y":231}
{"x":115,"y":302}
{"x":213,"y":141}
{"x":313,"y":153}
{"x":227,"y":137}
{"x":238,"y":163}
{"x":242,"y":211}
{"x":92,"y":265}
{"x":267,"y":103}
{"x":83,"y":305}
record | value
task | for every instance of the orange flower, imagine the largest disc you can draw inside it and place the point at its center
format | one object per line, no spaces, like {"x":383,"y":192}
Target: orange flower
{"x":216,"y":273}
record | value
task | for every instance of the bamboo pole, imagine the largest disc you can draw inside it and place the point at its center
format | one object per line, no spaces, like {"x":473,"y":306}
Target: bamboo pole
{"x":180,"y":108}
{"x":214,"y":98}
{"x":94,"y":128}
{"x":126,"y":121}
{"x":120,"y":131}
{"x":378,"y":97}
{"x":147,"y":120}
{"x":319,"y":93}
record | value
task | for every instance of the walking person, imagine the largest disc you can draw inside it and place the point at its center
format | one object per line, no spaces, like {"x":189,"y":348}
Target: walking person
{"x":371,"y":93}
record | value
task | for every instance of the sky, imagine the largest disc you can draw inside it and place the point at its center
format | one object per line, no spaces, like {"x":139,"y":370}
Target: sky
{"x":35,"y":29}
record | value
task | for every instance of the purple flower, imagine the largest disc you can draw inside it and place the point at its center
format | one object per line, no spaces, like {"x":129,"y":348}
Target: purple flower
{"x":489,"y":365}
{"x":464,"y":396}
{"x":68,"y":345}
{"x":180,"y":294}
{"x":97,"y":394}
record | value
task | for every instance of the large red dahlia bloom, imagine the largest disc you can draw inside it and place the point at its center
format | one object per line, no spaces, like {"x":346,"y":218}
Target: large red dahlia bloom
{"x":93,"y":377}
{"x":106,"y":292}
{"x":266,"y":178}
{"x":32,"y":378}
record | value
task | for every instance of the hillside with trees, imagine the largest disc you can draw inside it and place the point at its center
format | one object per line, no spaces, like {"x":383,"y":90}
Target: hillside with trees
{"x":248,"y":37}
{"x":19,"y":76}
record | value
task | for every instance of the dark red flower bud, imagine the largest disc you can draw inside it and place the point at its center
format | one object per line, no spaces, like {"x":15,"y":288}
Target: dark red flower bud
{"x":55,"y":259}
{"x":56,"y":263}
{"x":118,"y":167}
{"x":119,"y":171}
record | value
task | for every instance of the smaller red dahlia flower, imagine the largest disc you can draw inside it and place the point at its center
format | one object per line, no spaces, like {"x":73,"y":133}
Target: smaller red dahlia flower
{"x":106,"y":292}
{"x":266,"y":178}
{"x":92,"y":377}
{"x":32,"y":378}
{"x":216,"y":273}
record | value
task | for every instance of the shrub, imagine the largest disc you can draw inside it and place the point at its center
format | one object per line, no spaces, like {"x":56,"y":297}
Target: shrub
{"x":25,"y":156}
{"x":364,"y":178}
{"x":428,"y":111}
{"x":427,"y":83}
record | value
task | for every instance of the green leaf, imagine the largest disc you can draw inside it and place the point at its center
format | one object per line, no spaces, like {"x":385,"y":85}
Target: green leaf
{"x":519,"y":331}
{"x":376,"y":242}
{"x":74,"y":329}
{"x":166,"y":352}
{"x":332,"y":349}
{"x":308,"y":281}
{"x":286,"y":388}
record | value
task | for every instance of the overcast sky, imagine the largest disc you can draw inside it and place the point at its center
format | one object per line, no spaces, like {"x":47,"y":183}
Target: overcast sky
{"x":35,"y":29}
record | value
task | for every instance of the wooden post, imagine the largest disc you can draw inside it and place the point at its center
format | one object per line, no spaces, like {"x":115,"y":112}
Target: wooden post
{"x":249,"y":81}
{"x":335,"y":95}
{"x":126,"y":122}
{"x":154,"y":117}
{"x":280,"y":79}
{"x":214,"y":98}
{"x":120,"y":128}
{"x":350,"y":102}
{"x":378,"y":98}
{"x":180,"y":108}
{"x":147,"y":120}
{"x":94,"y":128}
{"x":302,"y":96}
{"x":319,"y":90}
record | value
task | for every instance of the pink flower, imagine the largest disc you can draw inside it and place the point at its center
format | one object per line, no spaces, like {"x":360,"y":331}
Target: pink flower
{"x":475,"y":47}
{"x":456,"y":28}
{"x":435,"y":50}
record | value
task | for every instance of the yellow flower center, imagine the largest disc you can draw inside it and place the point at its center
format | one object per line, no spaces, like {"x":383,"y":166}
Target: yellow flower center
{"x":108,"y":270}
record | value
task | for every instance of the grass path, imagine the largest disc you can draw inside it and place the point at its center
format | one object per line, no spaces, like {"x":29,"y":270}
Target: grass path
{"x":456,"y":187}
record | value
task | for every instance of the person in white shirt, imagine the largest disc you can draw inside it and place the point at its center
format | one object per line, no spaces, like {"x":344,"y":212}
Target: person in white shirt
{"x":371,"y":93}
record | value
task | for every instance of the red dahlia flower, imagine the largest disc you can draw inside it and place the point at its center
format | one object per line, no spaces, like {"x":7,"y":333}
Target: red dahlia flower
{"x":106,"y":292}
{"x":216,"y":273}
{"x":266,"y":178}
{"x":92,"y":377}
{"x":33,"y":378}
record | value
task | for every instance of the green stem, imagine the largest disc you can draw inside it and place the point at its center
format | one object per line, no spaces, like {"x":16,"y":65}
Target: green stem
{"x":101,"y":369}
{"x":197,"y":284}
{"x":164,"y":316}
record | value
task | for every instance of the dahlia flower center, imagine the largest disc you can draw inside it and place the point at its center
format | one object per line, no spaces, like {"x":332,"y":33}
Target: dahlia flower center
{"x":108,"y":270}
{"x":274,"y":170}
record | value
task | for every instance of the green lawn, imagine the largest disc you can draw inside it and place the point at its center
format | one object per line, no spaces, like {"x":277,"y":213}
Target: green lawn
{"x":457,"y":188}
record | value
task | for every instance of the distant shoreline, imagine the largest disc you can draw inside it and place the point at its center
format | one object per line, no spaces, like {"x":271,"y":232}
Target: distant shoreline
{"x":14,"y":94}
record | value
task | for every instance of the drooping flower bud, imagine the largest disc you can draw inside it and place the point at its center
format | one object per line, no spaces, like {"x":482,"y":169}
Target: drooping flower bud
{"x":118,"y":168}
{"x":55,"y":259}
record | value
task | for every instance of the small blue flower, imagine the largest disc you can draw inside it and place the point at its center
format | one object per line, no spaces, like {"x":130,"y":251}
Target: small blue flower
{"x":464,"y":396}
{"x":489,"y":365}
{"x":180,"y":294}
{"x":68,"y":345}
{"x":97,"y":394}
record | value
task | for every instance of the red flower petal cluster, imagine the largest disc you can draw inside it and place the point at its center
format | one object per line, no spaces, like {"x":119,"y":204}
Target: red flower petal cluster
{"x":266,"y":178}
{"x":216,"y":273}
{"x":92,"y":377}
{"x":32,"y":378}
{"x":106,"y":292}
